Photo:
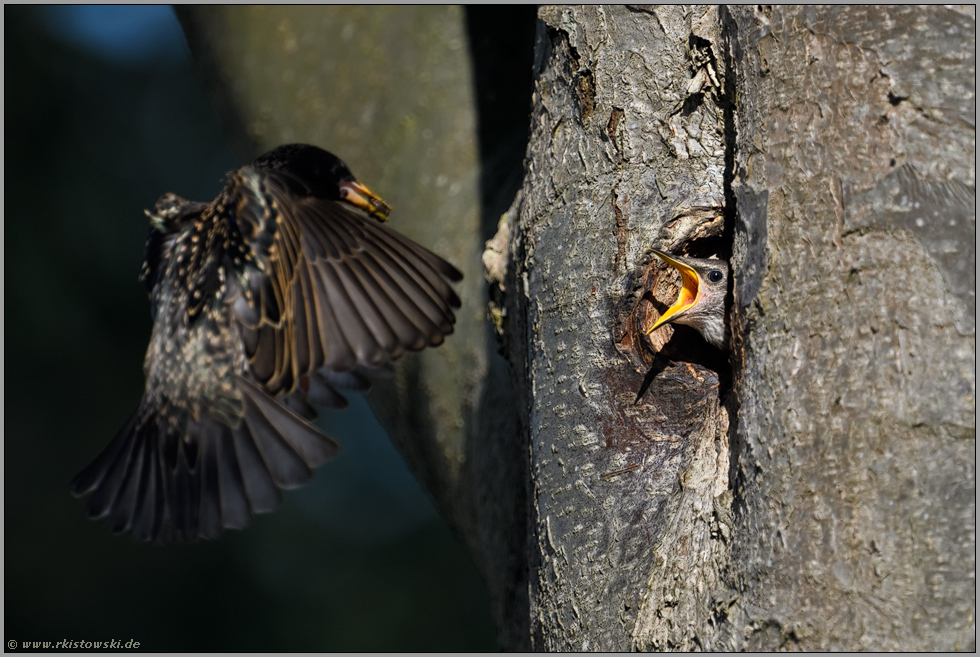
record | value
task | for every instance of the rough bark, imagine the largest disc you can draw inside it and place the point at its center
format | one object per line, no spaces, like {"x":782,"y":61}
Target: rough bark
{"x":805,"y":143}
{"x":390,"y":90}
{"x":814,"y":488}
{"x":626,"y":152}
{"x":856,"y":441}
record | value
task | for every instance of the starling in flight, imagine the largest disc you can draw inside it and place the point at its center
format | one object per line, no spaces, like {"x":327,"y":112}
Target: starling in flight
{"x":285,"y":287}
{"x":701,"y":301}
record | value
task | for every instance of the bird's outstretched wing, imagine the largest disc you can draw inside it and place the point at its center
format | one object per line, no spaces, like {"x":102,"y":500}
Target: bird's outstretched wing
{"x":334,"y":289}
{"x":270,"y":297}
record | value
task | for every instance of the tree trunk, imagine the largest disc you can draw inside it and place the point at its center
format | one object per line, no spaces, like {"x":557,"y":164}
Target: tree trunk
{"x":811,"y":489}
{"x":857,"y":428}
{"x":815,"y":490}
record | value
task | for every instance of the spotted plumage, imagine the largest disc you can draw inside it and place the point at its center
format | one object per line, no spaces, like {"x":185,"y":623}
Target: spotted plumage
{"x":283,"y":289}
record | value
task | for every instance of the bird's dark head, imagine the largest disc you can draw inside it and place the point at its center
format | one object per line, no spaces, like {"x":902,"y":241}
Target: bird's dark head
{"x":701,"y":301}
{"x":325,"y":176}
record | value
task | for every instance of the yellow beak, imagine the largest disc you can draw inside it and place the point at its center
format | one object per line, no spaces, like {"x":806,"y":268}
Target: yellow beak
{"x":687,"y":298}
{"x":357,"y":194}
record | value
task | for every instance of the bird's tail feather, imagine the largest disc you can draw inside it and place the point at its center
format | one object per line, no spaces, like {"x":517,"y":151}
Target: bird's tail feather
{"x":165,"y":486}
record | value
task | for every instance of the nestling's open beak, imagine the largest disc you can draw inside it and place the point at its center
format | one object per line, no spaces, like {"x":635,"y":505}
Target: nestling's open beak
{"x":357,"y":194}
{"x":688,"y":297}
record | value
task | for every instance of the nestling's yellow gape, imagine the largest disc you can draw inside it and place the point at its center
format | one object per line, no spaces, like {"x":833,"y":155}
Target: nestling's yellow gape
{"x":701,"y":301}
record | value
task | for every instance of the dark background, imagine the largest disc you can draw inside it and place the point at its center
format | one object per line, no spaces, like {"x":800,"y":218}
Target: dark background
{"x":104,"y":113}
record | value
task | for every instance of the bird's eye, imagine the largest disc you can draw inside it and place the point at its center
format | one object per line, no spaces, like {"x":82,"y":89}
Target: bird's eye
{"x":715,"y":276}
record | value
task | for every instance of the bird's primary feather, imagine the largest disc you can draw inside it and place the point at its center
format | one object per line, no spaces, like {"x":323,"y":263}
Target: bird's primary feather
{"x":272,"y":296}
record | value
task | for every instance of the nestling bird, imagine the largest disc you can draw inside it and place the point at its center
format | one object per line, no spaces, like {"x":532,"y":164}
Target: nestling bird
{"x":701,"y":301}
{"x":285,"y":287}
